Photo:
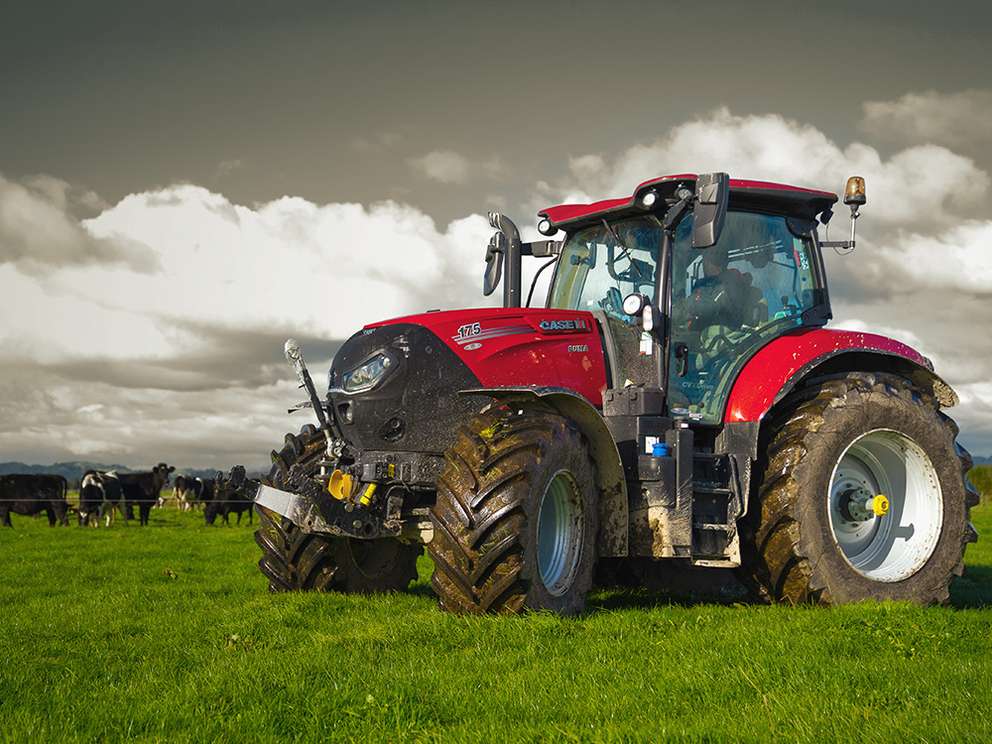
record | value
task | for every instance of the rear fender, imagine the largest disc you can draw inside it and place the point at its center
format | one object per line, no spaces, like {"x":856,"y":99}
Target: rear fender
{"x":785,"y":363}
{"x":613,"y":519}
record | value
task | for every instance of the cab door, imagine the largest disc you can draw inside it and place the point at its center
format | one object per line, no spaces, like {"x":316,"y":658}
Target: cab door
{"x":728,"y":301}
{"x":601,"y":265}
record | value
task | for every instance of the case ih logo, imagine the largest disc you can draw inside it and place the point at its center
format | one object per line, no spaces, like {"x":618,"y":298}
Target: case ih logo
{"x":576,"y":324}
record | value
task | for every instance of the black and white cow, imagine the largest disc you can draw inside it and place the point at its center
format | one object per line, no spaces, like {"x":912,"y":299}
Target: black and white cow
{"x":90,"y":499}
{"x":230,"y":496}
{"x":187,"y":490}
{"x":144,"y":489}
{"x":34,"y":494}
{"x":100,"y":494}
{"x":192,"y":491}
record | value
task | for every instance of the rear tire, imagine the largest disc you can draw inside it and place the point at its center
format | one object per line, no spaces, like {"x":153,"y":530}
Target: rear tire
{"x":515,"y":520}
{"x":293,"y":560}
{"x":801,"y":542}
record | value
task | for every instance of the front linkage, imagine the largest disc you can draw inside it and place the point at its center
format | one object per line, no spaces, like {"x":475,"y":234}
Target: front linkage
{"x":345,"y":500}
{"x":308,"y":506}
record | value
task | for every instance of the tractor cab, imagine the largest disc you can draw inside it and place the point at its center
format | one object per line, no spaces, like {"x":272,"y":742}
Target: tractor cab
{"x":762,"y":277}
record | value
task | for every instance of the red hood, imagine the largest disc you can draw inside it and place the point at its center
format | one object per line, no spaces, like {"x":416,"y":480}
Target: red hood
{"x":507,"y":347}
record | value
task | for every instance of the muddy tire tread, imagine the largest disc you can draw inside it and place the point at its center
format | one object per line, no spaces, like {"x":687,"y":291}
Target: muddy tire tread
{"x":778,"y":566}
{"x":480,"y":535}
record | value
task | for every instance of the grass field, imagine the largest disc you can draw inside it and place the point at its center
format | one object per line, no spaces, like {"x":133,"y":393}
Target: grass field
{"x":168,"y":633}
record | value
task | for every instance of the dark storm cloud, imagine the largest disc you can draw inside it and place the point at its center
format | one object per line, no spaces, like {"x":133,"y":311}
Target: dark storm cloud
{"x":218,"y":358}
{"x":159,"y":93}
{"x":44,"y":420}
{"x":956,"y":118}
{"x":39,"y":231}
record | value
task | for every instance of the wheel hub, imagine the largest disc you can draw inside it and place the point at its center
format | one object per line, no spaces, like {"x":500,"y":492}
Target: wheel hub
{"x":859,"y":505}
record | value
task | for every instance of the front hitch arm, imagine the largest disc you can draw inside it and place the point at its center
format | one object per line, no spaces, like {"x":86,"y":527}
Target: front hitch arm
{"x":312,"y":509}
{"x":294,"y":355}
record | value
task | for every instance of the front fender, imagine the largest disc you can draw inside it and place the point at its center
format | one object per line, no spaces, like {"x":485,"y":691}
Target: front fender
{"x":779,"y":366}
{"x":613,"y":518}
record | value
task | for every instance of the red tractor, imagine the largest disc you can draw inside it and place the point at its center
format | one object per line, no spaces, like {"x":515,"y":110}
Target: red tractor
{"x":676,"y":402}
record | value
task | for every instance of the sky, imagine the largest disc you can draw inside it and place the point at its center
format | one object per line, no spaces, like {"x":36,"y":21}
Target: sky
{"x":181,"y":188}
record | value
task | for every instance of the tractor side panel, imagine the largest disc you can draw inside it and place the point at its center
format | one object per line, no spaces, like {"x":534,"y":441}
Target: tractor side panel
{"x":785,"y":359}
{"x":516,"y":347}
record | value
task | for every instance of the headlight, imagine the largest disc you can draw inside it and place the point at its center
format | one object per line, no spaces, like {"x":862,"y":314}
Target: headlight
{"x":367,"y":375}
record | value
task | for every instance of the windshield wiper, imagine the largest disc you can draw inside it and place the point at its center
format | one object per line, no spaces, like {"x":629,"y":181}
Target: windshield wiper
{"x":630,"y":258}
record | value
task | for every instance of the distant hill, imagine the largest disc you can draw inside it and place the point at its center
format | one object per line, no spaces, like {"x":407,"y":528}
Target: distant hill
{"x":980,"y":460}
{"x":73,"y":471}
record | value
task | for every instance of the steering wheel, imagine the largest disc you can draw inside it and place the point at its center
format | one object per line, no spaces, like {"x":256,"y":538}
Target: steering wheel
{"x":721,"y":348}
{"x":612,"y":304}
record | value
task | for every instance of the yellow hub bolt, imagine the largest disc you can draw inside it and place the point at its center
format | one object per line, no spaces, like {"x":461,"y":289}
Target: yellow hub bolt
{"x":880,"y":505}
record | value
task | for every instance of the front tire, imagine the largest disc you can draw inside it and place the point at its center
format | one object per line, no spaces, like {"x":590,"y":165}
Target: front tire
{"x":293,"y":560}
{"x":515,"y":520}
{"x":833,"y":449}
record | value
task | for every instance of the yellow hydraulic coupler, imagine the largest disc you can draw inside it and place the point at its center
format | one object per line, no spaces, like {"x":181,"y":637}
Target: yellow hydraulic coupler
{"x":340,"y":485}
{"x":880,"y":505}
{"x":366,"y":498}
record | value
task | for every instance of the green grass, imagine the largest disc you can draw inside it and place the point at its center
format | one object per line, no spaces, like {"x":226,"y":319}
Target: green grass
{"x":981,"y":476}
{"x":168,"y":633}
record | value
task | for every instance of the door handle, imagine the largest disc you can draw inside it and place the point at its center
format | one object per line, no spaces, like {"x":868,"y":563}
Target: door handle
{"x":682,"y":356}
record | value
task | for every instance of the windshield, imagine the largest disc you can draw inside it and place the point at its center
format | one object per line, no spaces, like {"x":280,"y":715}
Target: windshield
{"x":595,"y":271}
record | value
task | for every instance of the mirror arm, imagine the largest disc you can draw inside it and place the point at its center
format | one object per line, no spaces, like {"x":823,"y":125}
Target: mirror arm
{"x":541,"y":248}
{"x":537,"y":275}
{"x":855,"y":213}
{"x":675,"y":214}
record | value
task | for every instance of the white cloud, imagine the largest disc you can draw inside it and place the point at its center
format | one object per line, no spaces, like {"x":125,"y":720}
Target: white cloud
{"x":920,"y":184}
{"x":115,"y":363}
{"x":322,"y":268}
{"x":450,"y":167}
{"x":445,"y":166}
{"x":958,"y":259}
{"x":956,"y":119}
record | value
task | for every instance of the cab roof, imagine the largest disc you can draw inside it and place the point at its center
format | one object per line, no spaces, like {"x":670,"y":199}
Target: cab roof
{"x":744,"y":194}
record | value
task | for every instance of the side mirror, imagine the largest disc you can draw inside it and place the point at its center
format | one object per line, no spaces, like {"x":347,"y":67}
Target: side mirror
{"x":712,"y":196}
{"x":506,"y":242}
{"x":494,"y":263}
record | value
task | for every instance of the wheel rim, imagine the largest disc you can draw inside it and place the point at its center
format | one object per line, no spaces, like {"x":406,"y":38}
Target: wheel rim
{"x":559,"y":533}
{"x":894,"y":545}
